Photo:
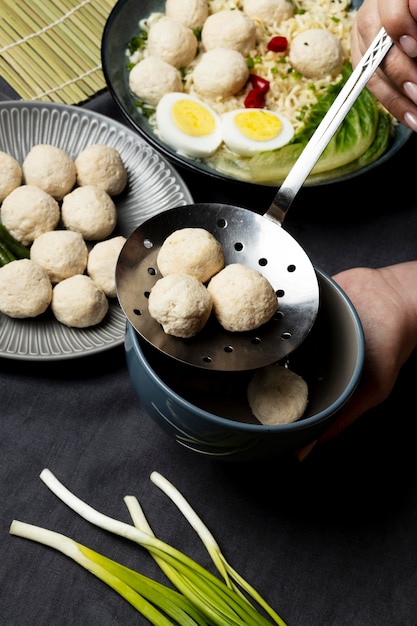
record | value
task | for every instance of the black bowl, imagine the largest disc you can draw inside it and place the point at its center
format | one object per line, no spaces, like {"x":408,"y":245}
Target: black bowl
{"x":121,"y":26}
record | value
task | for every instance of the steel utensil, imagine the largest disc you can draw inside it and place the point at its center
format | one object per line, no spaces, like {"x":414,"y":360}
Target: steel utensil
{"x":258,"y":241}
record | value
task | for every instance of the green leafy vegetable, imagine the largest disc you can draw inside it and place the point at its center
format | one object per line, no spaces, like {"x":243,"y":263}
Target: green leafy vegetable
{"x":201,"y":598}
{"x":10,"y":248}
{"x":138,"y":42}
{"x":351,"y":147}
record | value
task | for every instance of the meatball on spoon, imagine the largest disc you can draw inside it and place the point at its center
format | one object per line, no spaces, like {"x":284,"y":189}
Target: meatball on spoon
{"x":258,"y":241}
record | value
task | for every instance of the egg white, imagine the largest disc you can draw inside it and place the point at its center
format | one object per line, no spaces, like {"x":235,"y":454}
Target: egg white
{"x":196,"y":140}
{"x":262,"y":124}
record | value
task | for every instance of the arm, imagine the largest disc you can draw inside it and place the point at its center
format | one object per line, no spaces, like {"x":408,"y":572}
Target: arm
{"x":395,"y":83}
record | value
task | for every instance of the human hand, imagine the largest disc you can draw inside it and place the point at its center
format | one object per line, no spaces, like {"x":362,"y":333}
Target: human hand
{"x":395,"y":82}
{"x":386,"y":302}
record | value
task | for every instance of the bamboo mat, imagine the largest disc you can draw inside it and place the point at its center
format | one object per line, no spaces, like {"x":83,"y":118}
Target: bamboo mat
{"x":50,"y":50}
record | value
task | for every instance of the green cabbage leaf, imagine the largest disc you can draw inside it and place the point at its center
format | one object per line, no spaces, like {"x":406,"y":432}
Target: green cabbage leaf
{"x":362,"y":138}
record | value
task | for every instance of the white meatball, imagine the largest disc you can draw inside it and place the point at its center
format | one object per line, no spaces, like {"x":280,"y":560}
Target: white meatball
{"x":102,"y":166}
{"x":172,"y":42}
{"x":229,"y":29}
{"x":316,"y":53}
{"x":277,"y":395}
{"x":191,"y":251}
{"x":191,"y":13}
{"x":61,"y":253}
{"x":181,"y":304}
{"x":90,"y":211}
{"x":49,"y":168}
{"x":11,"y":174}
{"x":28,"y":211}
{"x":269,"y":11}
{"x":77,"y":301}
{"x":220,"y":73}
{"x":152,"y":78}
{"x":243,"y":299}
{"x":102,"y":261}
{"x":25,"y":289}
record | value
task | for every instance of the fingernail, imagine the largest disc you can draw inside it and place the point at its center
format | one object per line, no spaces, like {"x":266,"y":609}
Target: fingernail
{"x":410,"y":89}
{"x":411,"y":121}
{"x":409,"y":45}
{"x":303,"y":453}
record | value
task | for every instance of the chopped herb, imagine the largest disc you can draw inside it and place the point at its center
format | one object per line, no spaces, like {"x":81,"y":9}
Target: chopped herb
{"x":138,"y":42}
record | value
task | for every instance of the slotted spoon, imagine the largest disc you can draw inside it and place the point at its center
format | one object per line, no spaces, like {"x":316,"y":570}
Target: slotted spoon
{"x":258,"y":241}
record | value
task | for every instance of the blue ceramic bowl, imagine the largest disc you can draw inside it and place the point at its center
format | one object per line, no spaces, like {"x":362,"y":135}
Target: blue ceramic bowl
{"x":207,"y":412}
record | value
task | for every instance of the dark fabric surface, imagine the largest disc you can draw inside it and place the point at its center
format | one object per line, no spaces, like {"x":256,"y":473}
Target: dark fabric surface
{"x":329,"y":542}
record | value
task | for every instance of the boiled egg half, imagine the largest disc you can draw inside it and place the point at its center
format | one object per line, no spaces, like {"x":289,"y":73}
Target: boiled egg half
{"x":249,"y":131}
{"x":188,"y":125}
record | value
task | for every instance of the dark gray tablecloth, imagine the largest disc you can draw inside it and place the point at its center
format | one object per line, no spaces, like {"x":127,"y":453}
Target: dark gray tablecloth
{"x":330,"y":542}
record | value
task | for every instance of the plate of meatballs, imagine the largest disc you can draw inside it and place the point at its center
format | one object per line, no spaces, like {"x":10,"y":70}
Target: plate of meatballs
{"x":75,"y":184}
{"x":234,"y":89}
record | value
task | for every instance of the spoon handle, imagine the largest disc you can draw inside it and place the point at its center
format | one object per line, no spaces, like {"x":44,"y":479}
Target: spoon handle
{"x":328,"y":126}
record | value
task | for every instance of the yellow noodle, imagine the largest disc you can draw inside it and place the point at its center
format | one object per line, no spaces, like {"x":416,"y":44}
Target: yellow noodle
{"x":289,"y":92}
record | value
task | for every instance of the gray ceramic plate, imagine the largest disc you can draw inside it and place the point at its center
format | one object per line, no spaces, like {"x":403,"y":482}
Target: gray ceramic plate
{"x":121,"y":26}
{"x":153,"y":187}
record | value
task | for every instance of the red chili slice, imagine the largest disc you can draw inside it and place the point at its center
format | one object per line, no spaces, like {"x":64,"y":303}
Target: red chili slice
{"x":254,"y":100}
{"x":277,"y":44}
{"x":259,"y":83}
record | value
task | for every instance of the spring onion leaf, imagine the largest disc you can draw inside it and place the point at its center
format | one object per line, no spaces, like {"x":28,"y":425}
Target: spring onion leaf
{"x":90,"y":560}
{"x":16,"y":249}
{"x":225,"y":569}
{"x":200,"y":597}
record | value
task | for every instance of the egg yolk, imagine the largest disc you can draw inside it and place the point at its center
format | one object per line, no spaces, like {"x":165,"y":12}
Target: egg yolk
{"x":258,"y":125}
{"x":192,"y":118}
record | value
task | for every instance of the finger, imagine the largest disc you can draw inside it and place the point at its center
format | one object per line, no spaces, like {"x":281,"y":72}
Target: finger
{"x":400,"y":23}
{"x":394,"y":84}
{"x":397,"y":90}
{"x":412,"y":5}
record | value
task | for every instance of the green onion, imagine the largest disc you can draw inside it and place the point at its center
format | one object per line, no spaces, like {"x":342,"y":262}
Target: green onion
{"x":5,"y":255}
{"x":17,"y":249}
{"x":127,"y":583}
{"x":201,"y":598}
{"x":229,"y":574}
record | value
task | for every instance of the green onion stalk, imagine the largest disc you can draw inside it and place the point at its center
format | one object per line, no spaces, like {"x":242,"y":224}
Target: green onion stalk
{"x":199,"y":598}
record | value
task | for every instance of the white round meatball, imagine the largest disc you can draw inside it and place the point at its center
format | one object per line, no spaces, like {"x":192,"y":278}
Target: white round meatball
{"x":316,"y":53}
{"x":102,"y":166}
{"x":29,"y":211}
{"x":172,"y":42}
{"x":152,"y":78}
{"x":269,"y":11}
{"x":90,"y":211}
{"x":277,"y":395}
{"x":78,"y":302}
{"x":243,"y":299}
{"x":181,"y":304}
{"x":220,"y":73}
{"x":192,"y":251}
{"x":191,"y":13}
{"x":11,"y":174}
{"x":25,"y":289}
{"x":61,"y":253}
{"x":49,"y":168}
{"x":102,"y":261}
{"x":229,"y":29}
